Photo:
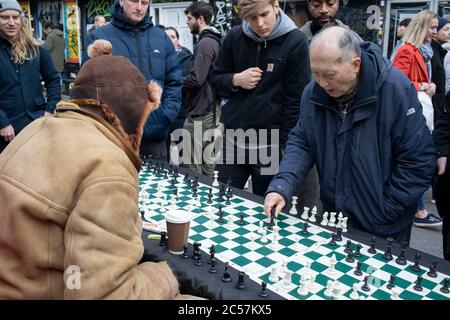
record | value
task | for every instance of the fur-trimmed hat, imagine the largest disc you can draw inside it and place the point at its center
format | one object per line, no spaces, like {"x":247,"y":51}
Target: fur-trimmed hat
{"x":117,"y":83}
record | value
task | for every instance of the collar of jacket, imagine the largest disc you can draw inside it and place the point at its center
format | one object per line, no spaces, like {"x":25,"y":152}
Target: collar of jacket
{"x":367,"y":93}
{"x":114,"y":133}
{"x":5,"y":42}
{"x":438,"y":48}
{"x":121,"y":21}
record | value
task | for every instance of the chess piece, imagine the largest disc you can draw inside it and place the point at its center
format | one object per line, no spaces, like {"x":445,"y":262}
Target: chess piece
{"x":401,"y":260}
{"x":287,"y":280}
{"x":348,"y":247}
{"x":226,"y":277}
{"x":395,"y":293}
{"x":344,"y":224}
{"x":163,"y":239}
{"x":264,"y":237}
{"x":339,"y":220}
{"x":303,"y":288}
{"x":305,"y":215}
{"x":349,"y":257}
{"x":354,"y":295}
{"x":337,"y":291}
{"x":215,"y":182}
{"x":221,"y":219}
{"x":418,"y":286}
{"x":210,"y":196}
{"x":186,"y":177}
{"x":416,"y":267}
{"x":212,"y":252}
{"x":358,"y":271}
{"x":241,"y":219}
{"x":391,"y":283}
{"x":333,"y":240}
{"x":432,"y":273}
{"x":263,"y":292}
{"x":331,"y":269}
{"x":444,"y":288}
{"x":260,"y":229}
{"x":332,"y":221}
{"x":229,"y":192}
{"x":312,"y":218}
{"x":198,"y":260}
{"x":272,"y":218}
{"x":357,"y":253}
{"x":273,"y":277}
{"x":372,"y":248}
{"x":329,"y":289}
{"x":241,"y":281}
{"x":305,"y":228}
{"x":228,"y":202}
{"x":213,"y":269}
{"x":185,"y":254}
{"x":365,"y":287}
{"x":293,"y":210}
{"x":339,"y":235}
{"x":143,"y":215}
{"x":324,"y":221}
{"x":230,"y":221}
{"x":388,"y":253}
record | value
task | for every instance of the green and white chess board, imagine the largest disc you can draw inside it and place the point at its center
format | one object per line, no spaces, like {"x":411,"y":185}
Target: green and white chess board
{"x":310,"y":254}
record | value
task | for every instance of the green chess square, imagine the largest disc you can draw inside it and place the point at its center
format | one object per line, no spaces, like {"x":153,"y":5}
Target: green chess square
{"x":318,"y":267}
{"x":219,"y":239}
{"x":390,"y":269}
{"x":342,"y":267}
{"x":436,"y":296}
{"x":241,"y":250}
{"x":220,"y":230}
{"x":287,"y":252}
{"x":313,"y":255}
{"x":381,"y":295}
{"x":220,"y":248}
{"x":197,"y":238}
{"x":264,"y":251}
{"x":294,"y":266}
{"x":199,"y":228}
{"x":306,"y":242}
{"x":241,"y":240}
{"x":348,"y":280}
{"x":201,"y":219}
{"x":241,"y":261}
{"x":265,"y":262}
{"x":408,"y":295}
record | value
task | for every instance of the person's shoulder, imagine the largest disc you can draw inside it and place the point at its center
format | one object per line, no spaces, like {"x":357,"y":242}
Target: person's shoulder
{"x":297,"y":36}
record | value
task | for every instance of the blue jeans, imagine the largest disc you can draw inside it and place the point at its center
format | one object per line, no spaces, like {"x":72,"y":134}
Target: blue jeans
{"x":421,"y":204}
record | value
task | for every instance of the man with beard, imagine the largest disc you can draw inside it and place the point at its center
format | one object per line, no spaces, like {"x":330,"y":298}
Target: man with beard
{"x":323,"y":13}
{"x":200,"y":97}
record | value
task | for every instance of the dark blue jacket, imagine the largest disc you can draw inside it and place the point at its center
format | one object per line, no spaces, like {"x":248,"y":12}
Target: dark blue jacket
{"x":373,"y":165}
{"x":152,"y":52}
{"x":21,"y":96}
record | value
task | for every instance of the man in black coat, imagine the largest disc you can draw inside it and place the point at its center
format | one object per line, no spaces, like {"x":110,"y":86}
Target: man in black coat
{"x":261,"y":72}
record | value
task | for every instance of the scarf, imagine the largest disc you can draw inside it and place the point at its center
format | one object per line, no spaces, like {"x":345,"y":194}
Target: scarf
{"x":427,"y":53}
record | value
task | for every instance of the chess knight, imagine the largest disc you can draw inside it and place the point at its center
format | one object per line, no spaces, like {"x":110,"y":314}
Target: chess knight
{"x":69,"y":194}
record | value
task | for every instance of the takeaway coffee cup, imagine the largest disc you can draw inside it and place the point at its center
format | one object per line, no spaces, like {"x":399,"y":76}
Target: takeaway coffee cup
{"x":178,"y":222}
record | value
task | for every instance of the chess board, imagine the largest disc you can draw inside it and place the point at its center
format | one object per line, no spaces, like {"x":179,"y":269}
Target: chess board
{"x":240,"y":245}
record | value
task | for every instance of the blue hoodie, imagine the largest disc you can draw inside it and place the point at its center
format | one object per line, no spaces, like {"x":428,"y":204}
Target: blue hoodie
{"x":373,"y":165}
{"x":152,"y":52}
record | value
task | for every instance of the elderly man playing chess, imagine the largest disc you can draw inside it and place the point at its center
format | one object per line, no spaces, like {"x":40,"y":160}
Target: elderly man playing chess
{"x":361,"y":124}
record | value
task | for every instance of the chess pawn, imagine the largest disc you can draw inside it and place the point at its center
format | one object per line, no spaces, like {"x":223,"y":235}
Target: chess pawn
{"x":230,"y":221}
{"x":303,"y":288}
{"x":305,"y":213}
{"x":337,"y":291}
{"x":296,"y":245}
{"x":395,"y":293}
{"x":324,"y":219}
{"x":261,"y":229}
{"x":264,"y":237}
{"x":354,"y":295}
{"x":332,"y":221}
{"x":329,"y":289}
{"x":312,"y":218}
{"x":312,"y":283}
{"x":273,"y":277}
{"x":163,"y":205}
{"x":252,"y":239}
{"x":344,"y":224}
{"x":293,"y":210}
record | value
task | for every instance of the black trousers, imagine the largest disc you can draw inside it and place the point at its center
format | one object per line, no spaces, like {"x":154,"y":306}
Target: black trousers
{"x":237,"y":169}
{"x":443,"y":207}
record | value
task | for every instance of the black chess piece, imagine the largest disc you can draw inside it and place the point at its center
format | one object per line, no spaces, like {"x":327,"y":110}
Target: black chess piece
{"x":210,"y":196}
{"x":333,"y":240}
{"x":229,"y":192}
{"x":198,"y":260}
{"x":401,"y":260}
{"x":194,"y":192}
{"x":444,"y":288}
{"x":212,"y":252}
{"x":175,"y":174}
{"x":388,"y":253}
{"x":226,"y":277}
{"x":228,"y":202}
{"x":391,"y":283}
{"x":221,"y":219}
{"x":416,"y":267}
{"x":339,"y":235}
{"x":358,"y":271}
{"x":263,"y":292}
{"x":196,"y":250}
{"x":185,"y":254}
{"x":165,"y":174}
{"x":163,"y":239}
{"x":357,"y":253}
{"x":213,"y":269}
{"x":241,"y":219}
{"x":272,"y":219}
{"x":418,"y":286}
{"x":348,"y":247}
{"x":305,"y":228}
{"x":349,"y":257}
{"x":372,"y":248}
{"x":143,"y":215}
{"x":432,"y":273}
{"x":241,"y":281}
{"x":365,"y":287}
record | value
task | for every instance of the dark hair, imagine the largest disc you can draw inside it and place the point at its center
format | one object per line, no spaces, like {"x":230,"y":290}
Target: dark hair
{"x":405,"y":22}
{"x":174,"y":30}
{"x":48,"y":25}
{"x":201,"y":9}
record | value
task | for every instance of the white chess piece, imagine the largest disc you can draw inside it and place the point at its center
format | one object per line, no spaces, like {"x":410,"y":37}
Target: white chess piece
{"x":173,"y":202}
{"x":293,"y":210}
{"x":305,"y":213}
{"x":274,"y":244}
{"x":215,"y":182}
{"x":303,"y":288}
{"x":230,"y":221}
{"x":252,"y":240}
{"x":331,"y":270}
{"x":287,"y":280}
{"x":324,"y":221}
{"x":296,"y":245}
{"x":264,"y":237}
{"x":354,"y":295}
{"x":337,"y":291}
{"x":332,"y":221}
{"x":312,"y":286}
{"x":260,"y":229}
{"x":307,"y":269}
{"x":273,"y":277}
{"x":339,"y":221}
{"x":312,"y":218}
{"x":163,"y":205}
{"x":344,"y":224}
{"x":283,"y":269}
{"x":395,"y":293}
{"x":329,"y":289}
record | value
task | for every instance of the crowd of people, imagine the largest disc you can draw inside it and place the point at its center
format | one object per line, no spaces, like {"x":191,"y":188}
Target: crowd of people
{"x":313,"y":112}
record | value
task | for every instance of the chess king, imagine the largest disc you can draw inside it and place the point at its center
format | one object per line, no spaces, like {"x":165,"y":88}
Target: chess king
{"x":69,"y":219}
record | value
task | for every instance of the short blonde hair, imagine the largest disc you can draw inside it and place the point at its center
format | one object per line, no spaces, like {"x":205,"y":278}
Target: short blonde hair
{"x":417,"y":29}
{"x":247,"y":8}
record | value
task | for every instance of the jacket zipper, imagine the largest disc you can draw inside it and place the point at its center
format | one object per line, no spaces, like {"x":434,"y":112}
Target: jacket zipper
{"x":258,"y":50}
{"x":139,"y":53}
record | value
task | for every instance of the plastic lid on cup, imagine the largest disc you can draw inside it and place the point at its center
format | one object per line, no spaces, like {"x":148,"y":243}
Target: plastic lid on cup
{"x":178,"y":216}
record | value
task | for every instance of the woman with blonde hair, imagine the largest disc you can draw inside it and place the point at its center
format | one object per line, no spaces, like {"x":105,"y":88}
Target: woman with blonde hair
{"x":24,"y":61}
{"x":414,"y":59}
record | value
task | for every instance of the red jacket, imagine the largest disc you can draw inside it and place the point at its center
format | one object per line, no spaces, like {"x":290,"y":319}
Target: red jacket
{"x":409,"y":60}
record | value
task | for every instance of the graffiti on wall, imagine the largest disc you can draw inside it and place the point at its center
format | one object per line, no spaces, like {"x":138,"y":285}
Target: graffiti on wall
{"x":96,"y":8}
{"x":50,"y":11}
{"x":71,"y":27}
{"x":225,"y":14}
